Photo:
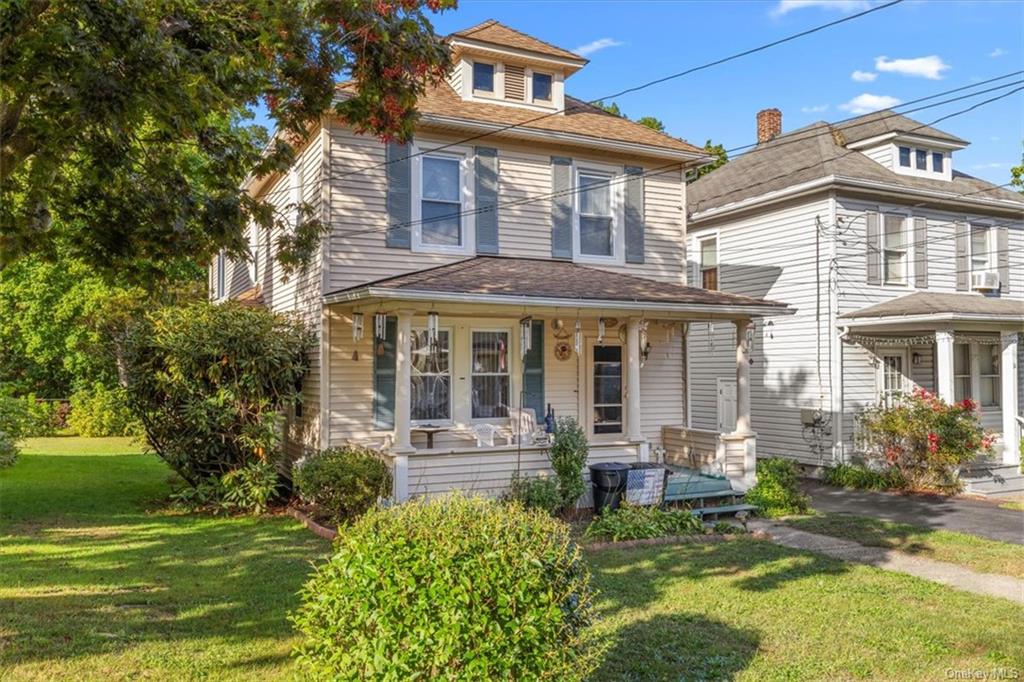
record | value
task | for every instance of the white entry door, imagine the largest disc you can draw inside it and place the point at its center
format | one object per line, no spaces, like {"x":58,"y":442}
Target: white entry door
{"x":726,"y":405}
{"x":892,"y":377}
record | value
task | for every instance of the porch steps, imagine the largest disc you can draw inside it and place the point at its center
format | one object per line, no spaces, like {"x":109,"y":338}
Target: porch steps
{"x":711,"y":496}
{"x":993,"y":479}
{"x":705,"y":512}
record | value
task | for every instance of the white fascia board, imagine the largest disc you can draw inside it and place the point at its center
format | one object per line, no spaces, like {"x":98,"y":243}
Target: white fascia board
{"x":930,"y":318}
{"x":566,"y":138}
{"x":924,"y":140}
{"x":871,"y":141}
{"x":387,"y":293}
{"x":763,"y":199}
{"x":954,"y":197}
{"x":517,"y":52}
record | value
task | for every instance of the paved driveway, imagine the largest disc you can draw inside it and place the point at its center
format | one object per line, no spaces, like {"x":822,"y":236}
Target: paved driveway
{"x":976,"y":517}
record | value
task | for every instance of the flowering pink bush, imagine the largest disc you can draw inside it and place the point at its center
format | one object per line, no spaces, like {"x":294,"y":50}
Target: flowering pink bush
{"x":926,"y":439}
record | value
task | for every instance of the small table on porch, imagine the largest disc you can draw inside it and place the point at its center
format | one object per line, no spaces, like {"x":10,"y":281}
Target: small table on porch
{"x":430,"y":430}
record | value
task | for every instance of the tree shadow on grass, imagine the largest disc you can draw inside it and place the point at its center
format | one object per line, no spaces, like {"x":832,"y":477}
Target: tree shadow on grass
{"x":681,"y":646}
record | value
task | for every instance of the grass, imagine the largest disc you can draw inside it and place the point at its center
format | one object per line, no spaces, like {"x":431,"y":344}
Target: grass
{"x":751,"y":610}
{"x":977,"y":554}
{"x":1015,"y":506}
{"x":97,"y":582}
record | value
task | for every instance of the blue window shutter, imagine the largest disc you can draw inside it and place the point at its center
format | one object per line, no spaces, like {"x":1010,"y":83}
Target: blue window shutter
{"x":384,"y":376}
{"x":399,"y":198}
{"x":533,"y":371}
{"x":961,"y":240}
{"x":873,"y":249}
{"x":486,"y":191}
{"x":561,"y":207}
{"x":921,"y":253}
{"x":1003,"y":257}
{"x":634,"y":214}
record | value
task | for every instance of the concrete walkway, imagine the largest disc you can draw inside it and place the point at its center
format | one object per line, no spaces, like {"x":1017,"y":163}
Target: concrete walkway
{"x":937,"y":571}
{"x":963,"y":515}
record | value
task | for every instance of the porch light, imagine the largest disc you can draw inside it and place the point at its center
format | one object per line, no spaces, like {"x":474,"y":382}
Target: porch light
{"x":380,"y":326}
{"x":525,"y":336}
{"x":578,"y":337}
{"x":357,"y":326}
{"x":915,"y":358}
{"x":432,"y":320}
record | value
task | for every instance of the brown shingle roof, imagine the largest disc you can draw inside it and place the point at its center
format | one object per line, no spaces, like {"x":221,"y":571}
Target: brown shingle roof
{"x":932,"y":303}
{"x":538,"y":278}
{"x":814,"y":152}
{"x":579,"y":118}
{"x":496,"y":33}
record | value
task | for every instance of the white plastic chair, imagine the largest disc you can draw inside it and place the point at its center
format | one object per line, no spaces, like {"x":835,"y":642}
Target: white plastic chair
{"x":484,"y":434}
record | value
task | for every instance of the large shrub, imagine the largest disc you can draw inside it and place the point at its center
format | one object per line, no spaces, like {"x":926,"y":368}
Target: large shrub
{"x":777,"y":492}
{"x":210,"y":384}
{"x":924,"y":438}
{"x":568,"y":456}
{"x":14,"y":420}
{"x":342,"y":482}
{"x":455,"y":588}
{"x":99,"y":411}
{"x":630,"y":522}
{"x":534,"y":492}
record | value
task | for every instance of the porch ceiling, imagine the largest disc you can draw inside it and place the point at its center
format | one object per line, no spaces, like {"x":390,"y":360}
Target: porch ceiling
{"x":498,"y":281}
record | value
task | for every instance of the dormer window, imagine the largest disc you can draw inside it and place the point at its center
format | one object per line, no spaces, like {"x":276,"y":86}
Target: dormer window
{"x":483,"y":77}
{"x":937,"y":162}
{"x":921,"y":159}
{"x":905,"y":157}
{"x":922,"y":162}
{"x":541,"y":87}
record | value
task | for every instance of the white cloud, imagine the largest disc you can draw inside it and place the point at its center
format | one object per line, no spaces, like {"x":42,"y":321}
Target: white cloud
{"x":597,"y":45}
{"x":998,"y":52}
{"x":787,"y":6}
{"x":864,"y":76}
{"x":816,"y":109}
{"x":991,"y":166}
{"x":930,"y":67}
{"x":866,"y":103}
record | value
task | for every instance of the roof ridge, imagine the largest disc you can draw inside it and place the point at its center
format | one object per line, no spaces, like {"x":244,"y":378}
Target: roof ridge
{"x":465,"y":33}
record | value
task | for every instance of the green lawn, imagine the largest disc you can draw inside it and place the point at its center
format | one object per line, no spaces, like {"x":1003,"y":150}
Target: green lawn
{"x":96,"y":582}
{"x":977,"y":554}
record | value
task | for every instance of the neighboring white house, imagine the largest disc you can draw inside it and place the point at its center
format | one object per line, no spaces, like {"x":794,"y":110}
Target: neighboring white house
{"x":541,"y":263}
{"x":904,"y":273}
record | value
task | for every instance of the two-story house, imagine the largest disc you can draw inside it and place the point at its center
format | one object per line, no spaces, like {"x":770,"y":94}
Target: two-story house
{"x":904,"y":272}
{"x":525,"y":250}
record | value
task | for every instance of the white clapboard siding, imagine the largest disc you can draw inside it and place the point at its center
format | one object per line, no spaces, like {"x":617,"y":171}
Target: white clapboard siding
{"x":769,"y":255}
{"x":882,"y":154}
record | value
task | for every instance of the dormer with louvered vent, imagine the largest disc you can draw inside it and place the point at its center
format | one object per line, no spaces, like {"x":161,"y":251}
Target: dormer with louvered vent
{"x":497,"y":64}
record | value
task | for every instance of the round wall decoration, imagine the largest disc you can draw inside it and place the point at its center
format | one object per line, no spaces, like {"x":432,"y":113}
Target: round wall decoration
{"x":563,"y":351}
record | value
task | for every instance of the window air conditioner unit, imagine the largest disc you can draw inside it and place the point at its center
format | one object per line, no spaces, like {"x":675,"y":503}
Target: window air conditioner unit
{"x":985,"y":281}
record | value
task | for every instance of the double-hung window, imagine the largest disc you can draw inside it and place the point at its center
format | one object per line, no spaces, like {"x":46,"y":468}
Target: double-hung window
{"x":981,"y":248}
{"x":938,"y":161}
{"x":709,"y":263}
{"x":921,"y":159}
{"x":894,"y":250}
{"x":483,"y":77}
{"x":607,"y":389}
{"x":596,"y":214}
{"x":441,"y":222}
{"x":541,"y":87}
{"x":988,"y":375}
{"x":962,"y":371}
{"x":490,"y":374}
{"x":905,"y":157}
{"x":431,"y":380}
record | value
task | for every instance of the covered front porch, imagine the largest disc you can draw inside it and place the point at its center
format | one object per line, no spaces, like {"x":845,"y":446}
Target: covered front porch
{"x":958,"y":346}
{"x":451,"y":371}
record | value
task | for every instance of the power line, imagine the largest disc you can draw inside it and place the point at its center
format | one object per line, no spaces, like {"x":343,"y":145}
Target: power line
{"x":637,"y":88}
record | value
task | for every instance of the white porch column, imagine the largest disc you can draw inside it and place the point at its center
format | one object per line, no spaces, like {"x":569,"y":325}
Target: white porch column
{"x":944,"y":365}
{"x":633,"y":430}
{"x":742,"y":377}
{"x":1009,"y":372}
{"x":403,"y":374}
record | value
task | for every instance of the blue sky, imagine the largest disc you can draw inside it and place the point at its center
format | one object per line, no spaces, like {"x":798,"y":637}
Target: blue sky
{"x":901,"y":53}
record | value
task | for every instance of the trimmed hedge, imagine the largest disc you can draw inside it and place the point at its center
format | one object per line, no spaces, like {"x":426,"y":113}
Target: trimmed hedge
{"x":342,"y":482}
{"x":453,"y":588}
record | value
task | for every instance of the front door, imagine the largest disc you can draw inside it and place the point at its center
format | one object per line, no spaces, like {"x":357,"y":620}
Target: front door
{"x":726,"y":405}
{"x":892,"y":382}
{"x":606,"y":390}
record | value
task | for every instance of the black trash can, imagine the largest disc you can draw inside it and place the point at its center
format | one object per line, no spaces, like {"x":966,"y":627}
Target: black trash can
{"x":609,"y":480}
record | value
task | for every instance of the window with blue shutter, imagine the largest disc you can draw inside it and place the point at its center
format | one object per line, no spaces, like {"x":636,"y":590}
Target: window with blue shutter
{"x":533,"y":371}
{"x":384,"y":367}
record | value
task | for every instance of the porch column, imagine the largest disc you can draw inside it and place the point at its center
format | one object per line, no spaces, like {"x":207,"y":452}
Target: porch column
{"x":403,"y":375}
{"x":1009,"y":372}
{"x":742,"y":377}
{"x":633,"y":430}
{"x":944,"y":365}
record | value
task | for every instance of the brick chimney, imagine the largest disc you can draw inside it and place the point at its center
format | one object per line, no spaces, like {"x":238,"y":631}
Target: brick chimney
{"x":769,"y":125}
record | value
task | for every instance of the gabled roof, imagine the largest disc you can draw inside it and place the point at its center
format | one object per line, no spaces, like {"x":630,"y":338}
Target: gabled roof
{"x":442,"y":104}
{"x":518,"y":280}
{"x":816,"y":152}
{"x":884,"y":122}
{"x":935,"y":303}
{"x":496,"y":33}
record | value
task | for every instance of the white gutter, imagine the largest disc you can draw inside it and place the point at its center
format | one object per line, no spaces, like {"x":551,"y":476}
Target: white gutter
{"x":567,"y":138}
{"x":843,"y":181}
{"x":388,"y":293}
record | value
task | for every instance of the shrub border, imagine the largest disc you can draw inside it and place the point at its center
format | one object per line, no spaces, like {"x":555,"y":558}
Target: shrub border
{"x":307,"y":521}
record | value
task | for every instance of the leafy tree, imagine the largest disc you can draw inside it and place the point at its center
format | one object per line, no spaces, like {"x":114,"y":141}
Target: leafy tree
{"x":1017,"y":176}
{"x":123,"y":125}
{"x":612,"y":108}
{"x":652,"y":123}
{"x":721,"y":158}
